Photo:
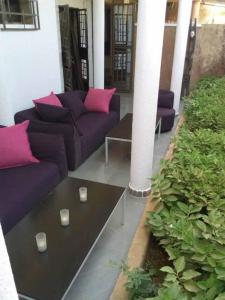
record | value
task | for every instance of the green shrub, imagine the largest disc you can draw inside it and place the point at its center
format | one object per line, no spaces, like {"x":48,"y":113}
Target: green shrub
{"x":189,"y":192}
{"x":140,"y":283}
{"x":204,"y":108}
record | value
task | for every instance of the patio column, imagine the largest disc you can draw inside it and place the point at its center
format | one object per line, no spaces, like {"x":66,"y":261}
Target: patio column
{"x":150,"y":31}
{"x":99,"y":42}
{"x":183,"y":22}
{"x":7,"y":285}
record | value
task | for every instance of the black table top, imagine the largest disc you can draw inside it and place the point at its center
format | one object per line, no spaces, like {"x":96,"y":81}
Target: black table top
{"x":124,"y":129}
{"x":47,"y":276}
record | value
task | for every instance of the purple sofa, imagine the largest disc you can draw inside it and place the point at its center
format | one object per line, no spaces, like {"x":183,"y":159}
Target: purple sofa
{"x":21,"y":187}
{"x":165,"y":110}
{"x":82,"y":138}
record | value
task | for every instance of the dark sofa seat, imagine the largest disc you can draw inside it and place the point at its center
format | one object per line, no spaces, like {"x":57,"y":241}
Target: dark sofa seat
{"x":93,"y":128}
{"x":165,"y":110}
{"x":22,"y":187}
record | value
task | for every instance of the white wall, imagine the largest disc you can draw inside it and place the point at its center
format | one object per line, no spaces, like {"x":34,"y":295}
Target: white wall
{"x":72,"y":3}
{"x":30,"y":63}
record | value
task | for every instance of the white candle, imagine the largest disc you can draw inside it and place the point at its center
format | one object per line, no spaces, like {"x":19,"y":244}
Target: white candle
{"x":83,"y":194}
{"x":65,"y":217}
{"x":41,"y":241}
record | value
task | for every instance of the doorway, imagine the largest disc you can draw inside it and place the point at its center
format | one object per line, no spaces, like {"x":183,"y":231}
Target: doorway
{"x":120,"y":44}
{"x":74,"y":43}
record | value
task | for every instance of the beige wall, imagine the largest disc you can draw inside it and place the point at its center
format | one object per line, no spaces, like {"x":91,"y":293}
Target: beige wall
{"x":209,"y":56}
{"x":212,"y":12}
{"x":72,"y":3}
{"x":167,"y":56}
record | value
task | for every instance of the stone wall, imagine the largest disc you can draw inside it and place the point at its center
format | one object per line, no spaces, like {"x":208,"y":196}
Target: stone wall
{"x":209,"y":55}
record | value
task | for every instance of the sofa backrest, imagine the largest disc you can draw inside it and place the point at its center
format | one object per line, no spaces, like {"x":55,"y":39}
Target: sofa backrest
{"x":76,"y":95}
{"x":165,"y":99}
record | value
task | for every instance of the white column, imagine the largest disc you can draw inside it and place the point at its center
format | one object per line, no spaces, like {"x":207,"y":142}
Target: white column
{"x":150,"y":31}
{"x":183,"y":22}
{"x":99,"y":42}
{"x":7,"y":285}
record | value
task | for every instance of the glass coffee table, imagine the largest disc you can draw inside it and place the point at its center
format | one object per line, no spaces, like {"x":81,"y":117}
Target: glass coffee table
{"x":123,"y":132}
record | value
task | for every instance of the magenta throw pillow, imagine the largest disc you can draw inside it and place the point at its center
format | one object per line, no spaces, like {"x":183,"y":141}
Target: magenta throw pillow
{"x":15,"y":147}
{"x":98,"y":99}
{"x":52,"y":99}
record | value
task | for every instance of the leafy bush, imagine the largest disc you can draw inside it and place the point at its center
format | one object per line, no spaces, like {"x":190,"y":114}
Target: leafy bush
{"x":140,"y":283}
{"x":205,"y":106}
{"x":189,"y":192}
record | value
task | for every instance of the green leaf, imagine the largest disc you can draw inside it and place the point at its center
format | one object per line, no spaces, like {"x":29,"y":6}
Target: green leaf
{"x":189,"y":274}
{"x":221,"y":297}
{"x":183,"y":207}
{"x":201,"y":225}
{"x":167,"y":269}
{"x":170,"y":278}
{"x":179,"y":264}
{"x":171,"y":198}
{"x":191,"y":286}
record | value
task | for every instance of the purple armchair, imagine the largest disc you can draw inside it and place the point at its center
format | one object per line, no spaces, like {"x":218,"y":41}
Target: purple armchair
{"x":21,"y":187}
{"x":165,"y":110}
{"x":81,"y":139}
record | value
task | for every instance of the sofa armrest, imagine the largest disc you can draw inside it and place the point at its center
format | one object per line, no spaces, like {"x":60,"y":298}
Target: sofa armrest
{"x":38,"y":125}
{"x":115,"y":104}
{"x":49,"y":148}
{"x":27,"y":114}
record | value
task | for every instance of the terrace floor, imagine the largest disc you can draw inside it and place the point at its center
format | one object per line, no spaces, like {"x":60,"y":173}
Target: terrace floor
{"x":99,"y":274}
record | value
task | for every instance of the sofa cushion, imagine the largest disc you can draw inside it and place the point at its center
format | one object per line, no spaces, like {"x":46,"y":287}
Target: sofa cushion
{"x":94,"y":126}
{"x":51,"y":100}
{"x":74,"y":101}
{"x":167,"y":118}
{"x":165,"y":99}
{"x":52,"y":113}
{"x":99,"y":99}
{"x":22,"y":187}
{"x":15,"y":147}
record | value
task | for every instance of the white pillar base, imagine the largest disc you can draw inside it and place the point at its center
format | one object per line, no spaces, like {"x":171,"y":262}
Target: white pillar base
{"x":139,"y":193}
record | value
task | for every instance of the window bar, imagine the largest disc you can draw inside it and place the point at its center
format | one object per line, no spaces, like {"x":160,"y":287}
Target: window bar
{"x":31,"y":8}
{"x":3,"y":14}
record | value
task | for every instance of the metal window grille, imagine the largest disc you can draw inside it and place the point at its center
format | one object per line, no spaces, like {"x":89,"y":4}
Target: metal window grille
{"x":19,"y":15}
{"x":83,"y":45}
{"x":83,"y":28}
{"x":84,"y":68}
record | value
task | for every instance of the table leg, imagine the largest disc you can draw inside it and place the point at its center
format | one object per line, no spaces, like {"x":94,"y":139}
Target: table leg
{"x":159,"y":131}
{"x":106,"y":150}
{"x":123,"y":207}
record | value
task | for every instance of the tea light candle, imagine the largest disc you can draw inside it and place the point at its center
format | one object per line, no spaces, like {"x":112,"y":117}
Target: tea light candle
{"x":83,"y":194}
{"x":41,"y":241}
{"x":65,"y":217}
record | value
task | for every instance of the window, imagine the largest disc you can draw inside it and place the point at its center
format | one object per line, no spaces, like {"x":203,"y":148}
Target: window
{"x":19,"y":15}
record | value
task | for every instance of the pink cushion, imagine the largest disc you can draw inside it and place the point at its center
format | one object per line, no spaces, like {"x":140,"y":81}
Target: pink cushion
{"x":98,"y":99}
{"x":14,"y":146}
{"x":50,"y":100}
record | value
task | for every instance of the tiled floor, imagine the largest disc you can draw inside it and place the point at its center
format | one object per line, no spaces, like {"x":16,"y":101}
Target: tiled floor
{"x":100,"y":272}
